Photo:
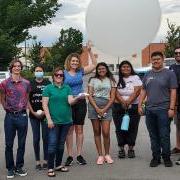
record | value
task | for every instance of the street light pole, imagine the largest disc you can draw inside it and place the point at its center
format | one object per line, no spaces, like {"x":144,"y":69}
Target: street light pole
{"x":25,"y":54}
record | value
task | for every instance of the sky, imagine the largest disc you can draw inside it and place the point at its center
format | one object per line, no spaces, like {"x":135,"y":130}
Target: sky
{"x":72,"y":14}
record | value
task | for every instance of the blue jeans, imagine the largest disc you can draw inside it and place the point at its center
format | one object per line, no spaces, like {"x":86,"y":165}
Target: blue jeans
{"x":36,"y":124}
{"x":56,"y":141}
{"x":12,"y":123}
{"x":158,"y":125}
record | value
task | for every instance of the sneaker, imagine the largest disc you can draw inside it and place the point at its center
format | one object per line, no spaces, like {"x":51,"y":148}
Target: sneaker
{"x":81,"y":160}
{"x":10,"y":174}
{"x":155,"y":162}
{"x":69,"y":161}
{"x":131,"y":153}
{"x":121,"y":154}
{"x":21,"y":172}
{"x":175,"y":151}
{"x":108,"y":159}
{"x":100,"y":160}
{"x":167,"y":162}
{"x":178,"y":162}
{"x":38,"y":167}
{"x":45,"y":166}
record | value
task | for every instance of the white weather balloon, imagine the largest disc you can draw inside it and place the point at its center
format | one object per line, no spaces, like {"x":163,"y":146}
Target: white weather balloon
{"x":122,"y":27}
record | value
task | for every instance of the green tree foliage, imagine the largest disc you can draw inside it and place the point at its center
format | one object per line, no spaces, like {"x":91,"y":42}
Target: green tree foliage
{"x":17,"y":17}
{"x":7,"y":50}
{"x":35,"y":57}
{"x":172,"y":39}
{"x":70,"y":41}
{"x":34,"y":54}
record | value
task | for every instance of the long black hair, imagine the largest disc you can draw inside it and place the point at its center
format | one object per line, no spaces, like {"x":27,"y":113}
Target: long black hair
{"x":108,"y":74}
{"x":121,"y":83}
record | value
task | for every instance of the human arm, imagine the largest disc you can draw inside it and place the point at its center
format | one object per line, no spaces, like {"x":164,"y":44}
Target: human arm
{"x":133,"y":96}
{"x":38,"y":116}
{"x":2,"y":95}
{"x":171,"y":110}
{"x":142,"y":96}
{"x":45,"y":101}
{"x":89,"y":68}
{"x":91,"y":99}
{"x":120,"y":99}
{"x":111,"y":100}
{"x":73,"y":100}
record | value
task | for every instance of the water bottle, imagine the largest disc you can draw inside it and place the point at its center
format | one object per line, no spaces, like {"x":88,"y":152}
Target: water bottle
{"x":125,"y":122}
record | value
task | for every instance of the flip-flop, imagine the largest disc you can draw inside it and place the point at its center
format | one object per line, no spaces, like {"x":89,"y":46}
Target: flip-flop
{"x":51,"y":173}
{"x":62,"y":169}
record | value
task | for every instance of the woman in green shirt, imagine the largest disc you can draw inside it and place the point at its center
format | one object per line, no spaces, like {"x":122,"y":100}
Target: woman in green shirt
{"x":56,"y":101}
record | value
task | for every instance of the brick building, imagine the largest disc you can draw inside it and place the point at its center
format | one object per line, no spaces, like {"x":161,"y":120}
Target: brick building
{"x":146,"y":52}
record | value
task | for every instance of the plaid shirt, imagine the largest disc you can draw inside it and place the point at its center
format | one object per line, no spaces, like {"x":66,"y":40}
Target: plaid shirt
{"x":16,"y":94}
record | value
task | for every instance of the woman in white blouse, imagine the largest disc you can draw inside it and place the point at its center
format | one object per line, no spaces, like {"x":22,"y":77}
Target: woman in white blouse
{"x":126,"y":100}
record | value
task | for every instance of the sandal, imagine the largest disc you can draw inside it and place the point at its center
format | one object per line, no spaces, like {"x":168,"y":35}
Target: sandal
{"x":62,"y":169}
{"x":51,"y":173}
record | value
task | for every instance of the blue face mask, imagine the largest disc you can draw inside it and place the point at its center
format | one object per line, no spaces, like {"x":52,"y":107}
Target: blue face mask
{"x":39,"y":74}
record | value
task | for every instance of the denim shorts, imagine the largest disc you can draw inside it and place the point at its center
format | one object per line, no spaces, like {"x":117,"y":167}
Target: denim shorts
{"x":101,"y":103}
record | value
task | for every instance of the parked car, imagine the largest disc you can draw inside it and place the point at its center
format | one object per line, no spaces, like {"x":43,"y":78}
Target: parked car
{"x":142,"y":71}
{"x":4,"y":75}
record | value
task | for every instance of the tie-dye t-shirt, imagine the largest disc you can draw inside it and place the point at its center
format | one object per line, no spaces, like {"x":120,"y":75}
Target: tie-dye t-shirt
{"x":16,"y":94}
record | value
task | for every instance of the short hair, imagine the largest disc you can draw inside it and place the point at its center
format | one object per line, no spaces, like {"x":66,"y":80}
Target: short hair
{"x":177,"y":47}
{"x":68,"y":60}
{"x":157,"y":53}
{"x":56,"y":70}
{"x":39,"y":65}
{"x":11,"y":64}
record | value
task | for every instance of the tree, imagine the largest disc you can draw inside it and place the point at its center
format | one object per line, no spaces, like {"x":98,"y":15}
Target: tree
{"x":7,"y":50}
{"x":34,"y":54}
{"x":70,"y":41}
{"x":172,"y":39}
{"x":17,"y":17}
{"x":38,"y":55}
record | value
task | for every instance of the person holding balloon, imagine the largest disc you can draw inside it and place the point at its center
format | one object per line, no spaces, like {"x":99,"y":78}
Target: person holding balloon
{"x":126,"y":105}
{"x":101,"y":89}
{"x":73,"y":74}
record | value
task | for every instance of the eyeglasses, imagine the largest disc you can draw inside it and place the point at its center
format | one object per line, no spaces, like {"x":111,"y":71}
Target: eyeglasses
{"x":176,"y":53}
{"x":59,"y":75}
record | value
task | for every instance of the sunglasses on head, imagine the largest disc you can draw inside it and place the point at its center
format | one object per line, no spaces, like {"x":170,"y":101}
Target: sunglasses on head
{"x":176,"y":53}
{"x":59,"y":75}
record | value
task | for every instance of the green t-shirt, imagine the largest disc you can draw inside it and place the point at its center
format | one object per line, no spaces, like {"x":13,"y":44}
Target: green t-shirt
{"x":59,"y":108}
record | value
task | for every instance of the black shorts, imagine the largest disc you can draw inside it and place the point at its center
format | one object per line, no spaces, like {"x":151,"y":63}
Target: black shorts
{"x":79,"y":111}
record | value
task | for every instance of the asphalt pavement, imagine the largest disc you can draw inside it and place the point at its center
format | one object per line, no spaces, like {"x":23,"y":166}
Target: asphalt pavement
{"x":122,"y":169}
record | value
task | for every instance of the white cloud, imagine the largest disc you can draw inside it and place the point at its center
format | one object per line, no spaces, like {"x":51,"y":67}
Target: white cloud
{"x":72,"y":14}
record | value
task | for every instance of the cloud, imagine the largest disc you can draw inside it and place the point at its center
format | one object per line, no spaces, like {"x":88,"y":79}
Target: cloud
{"x":170,"y":6}
{"x":72,"y":14}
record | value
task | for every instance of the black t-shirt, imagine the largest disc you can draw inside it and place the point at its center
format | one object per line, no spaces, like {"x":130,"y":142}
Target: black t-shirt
{"x":35,"y":96}
{"x":176,"y":69}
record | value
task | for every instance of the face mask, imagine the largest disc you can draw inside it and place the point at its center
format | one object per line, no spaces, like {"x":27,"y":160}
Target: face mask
{"x":39,"y":74}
